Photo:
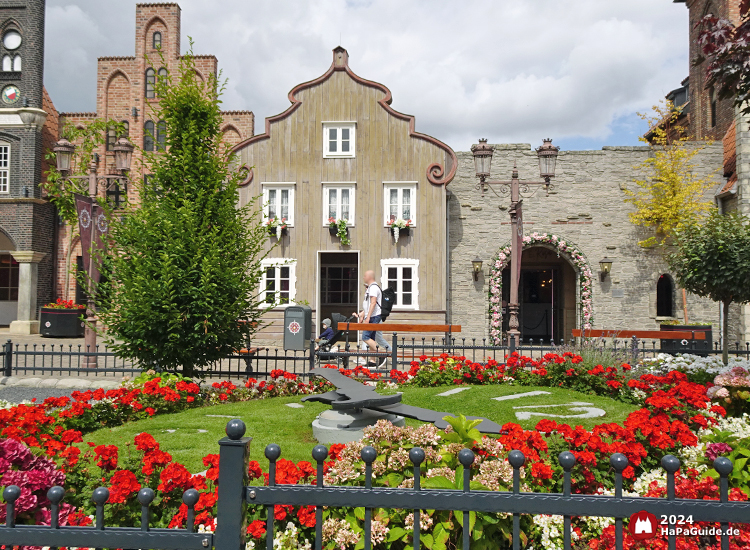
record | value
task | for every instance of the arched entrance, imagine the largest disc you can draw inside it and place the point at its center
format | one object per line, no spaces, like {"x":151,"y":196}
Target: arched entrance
{"x":554,"y":291}
{"x":547,"y":296}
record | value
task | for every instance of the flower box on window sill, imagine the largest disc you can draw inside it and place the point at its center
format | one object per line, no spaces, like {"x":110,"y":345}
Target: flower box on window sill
{"x":333,"y":230}
{"x":398,"y":232}
{"x":277,"y":231}
{"x":61,"y":323}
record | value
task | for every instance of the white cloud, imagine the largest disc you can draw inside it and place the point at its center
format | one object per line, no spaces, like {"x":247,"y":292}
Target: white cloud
{"x":507,"y":70}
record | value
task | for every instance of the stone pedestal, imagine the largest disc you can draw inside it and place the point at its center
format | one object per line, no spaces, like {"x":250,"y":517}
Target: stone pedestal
{"x":346,"y":426}
{"x":28,"y":266}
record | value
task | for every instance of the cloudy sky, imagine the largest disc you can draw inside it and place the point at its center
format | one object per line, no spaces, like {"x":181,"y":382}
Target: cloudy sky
{"x":509,"y":70}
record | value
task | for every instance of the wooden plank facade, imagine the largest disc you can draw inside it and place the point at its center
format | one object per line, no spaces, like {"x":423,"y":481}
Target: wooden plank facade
{"x":385,"y":153}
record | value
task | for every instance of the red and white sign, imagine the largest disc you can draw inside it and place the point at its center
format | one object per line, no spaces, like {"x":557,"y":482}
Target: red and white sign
{"x":643,"y":525}
{"x":294,"y":327}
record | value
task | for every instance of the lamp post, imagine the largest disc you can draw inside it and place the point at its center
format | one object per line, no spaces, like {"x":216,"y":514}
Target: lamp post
{"x":547,"y":155}
{"x":89,"y":222}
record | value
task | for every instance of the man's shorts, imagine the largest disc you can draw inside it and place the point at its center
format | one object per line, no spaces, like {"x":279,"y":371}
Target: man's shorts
{"x":370,"y":334}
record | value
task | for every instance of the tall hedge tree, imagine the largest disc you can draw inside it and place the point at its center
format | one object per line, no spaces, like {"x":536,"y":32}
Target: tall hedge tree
{"x":712,"y":259}
{"x":185,"y":263}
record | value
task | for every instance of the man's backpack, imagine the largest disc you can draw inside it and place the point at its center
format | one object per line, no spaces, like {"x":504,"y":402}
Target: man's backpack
{"x":388,"y":301}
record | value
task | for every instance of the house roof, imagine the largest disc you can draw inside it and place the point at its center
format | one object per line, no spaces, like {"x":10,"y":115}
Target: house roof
{"x":436,"y":173}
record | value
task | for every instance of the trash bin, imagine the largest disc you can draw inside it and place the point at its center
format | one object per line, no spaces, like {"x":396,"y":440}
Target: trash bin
{"x":297,"y":327}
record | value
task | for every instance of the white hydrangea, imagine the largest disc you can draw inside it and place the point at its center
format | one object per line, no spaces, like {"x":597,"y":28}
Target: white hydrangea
{"x":553,"y":529}
{"x":594,"y":525}
{"x":289,"y":540}
{"x":644,"y":481}
{"x":711,"y":364}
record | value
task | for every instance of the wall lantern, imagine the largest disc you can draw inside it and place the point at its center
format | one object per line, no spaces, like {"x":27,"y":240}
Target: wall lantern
{"x":63,"y":154}
{"x":476,"y":267}
{"x":123,"y":154}
{"x":605,"y":266}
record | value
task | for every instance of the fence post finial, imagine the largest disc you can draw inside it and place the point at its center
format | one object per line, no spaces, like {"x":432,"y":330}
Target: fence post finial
{"x":233,"y":464}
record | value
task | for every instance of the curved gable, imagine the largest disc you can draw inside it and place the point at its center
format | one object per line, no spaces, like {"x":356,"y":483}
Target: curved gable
{"x":436,"y":172}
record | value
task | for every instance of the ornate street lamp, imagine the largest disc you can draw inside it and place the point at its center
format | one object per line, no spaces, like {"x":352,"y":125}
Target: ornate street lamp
{"x":90,"y":219}
{"x":123,"y":154}
{"x":64,"y":155}
{"x":547,"y":155}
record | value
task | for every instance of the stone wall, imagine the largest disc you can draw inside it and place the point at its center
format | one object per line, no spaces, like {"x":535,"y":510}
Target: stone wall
{"x":586,"y":208}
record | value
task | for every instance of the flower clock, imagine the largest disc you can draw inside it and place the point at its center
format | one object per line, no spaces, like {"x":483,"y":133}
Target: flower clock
{"x":561,"y":246}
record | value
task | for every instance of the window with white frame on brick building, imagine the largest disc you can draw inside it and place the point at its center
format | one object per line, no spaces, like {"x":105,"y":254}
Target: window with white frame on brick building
{"x":4,"y":168}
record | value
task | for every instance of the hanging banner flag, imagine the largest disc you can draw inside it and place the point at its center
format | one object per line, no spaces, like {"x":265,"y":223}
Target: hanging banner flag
{"x":84,"y":208}
{"x":93,"y":227}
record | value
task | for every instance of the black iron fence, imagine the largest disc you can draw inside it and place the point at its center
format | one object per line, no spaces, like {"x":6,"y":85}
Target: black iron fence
{"x":233,"y":494}
{"x":78,"y":360}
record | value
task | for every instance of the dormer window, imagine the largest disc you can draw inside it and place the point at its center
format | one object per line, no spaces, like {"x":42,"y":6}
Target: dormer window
{"x":339,"y":139}
{"x":156,"y":42}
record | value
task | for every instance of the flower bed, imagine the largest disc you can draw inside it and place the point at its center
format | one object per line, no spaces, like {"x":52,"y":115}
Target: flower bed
{"x":677,"y":416}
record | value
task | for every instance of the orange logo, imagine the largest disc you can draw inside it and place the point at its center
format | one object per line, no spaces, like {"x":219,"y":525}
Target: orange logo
{"x":643,"y":525}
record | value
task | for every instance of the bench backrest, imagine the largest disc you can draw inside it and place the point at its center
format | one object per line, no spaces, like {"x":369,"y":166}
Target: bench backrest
{"x":399,"y":327}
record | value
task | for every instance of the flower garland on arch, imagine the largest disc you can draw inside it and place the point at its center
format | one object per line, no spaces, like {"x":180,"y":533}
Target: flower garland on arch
{"x":502,"y":258}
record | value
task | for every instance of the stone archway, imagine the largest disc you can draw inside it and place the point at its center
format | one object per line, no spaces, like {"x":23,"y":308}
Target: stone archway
{"x":554,"y":292}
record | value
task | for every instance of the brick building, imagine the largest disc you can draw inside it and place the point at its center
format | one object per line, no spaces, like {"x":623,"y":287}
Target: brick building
{"x":28,"y":124}
{"x":125,"y":93}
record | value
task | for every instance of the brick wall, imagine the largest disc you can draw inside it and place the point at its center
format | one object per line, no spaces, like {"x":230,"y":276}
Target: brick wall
{"x":702,"y":127}
{"x":120,"y":87}
{"x":50,"y":131}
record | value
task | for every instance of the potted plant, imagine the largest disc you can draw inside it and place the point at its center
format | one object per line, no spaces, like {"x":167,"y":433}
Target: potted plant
{"x":697,"y":347}
{"x":399,"y":227}
{"x":340,"y":229}
{"x":62,"y":319}
{"x":276,"y":227}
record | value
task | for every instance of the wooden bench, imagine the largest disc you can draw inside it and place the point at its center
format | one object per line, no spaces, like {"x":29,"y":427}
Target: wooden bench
{"x":642,"y":334}
{"x":398,"y":328}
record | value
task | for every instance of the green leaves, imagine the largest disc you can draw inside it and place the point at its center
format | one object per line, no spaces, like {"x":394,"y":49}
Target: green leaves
{"x":186,"y":262}
{"x":464,"y":431}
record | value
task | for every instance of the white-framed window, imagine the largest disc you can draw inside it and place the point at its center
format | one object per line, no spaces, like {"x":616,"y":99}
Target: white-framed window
{"x":279,"y":281}
{"x":400,"y":201}
{"x":402,"y":275}
{"x":278,"y":201}
{"x":4,"y":168}
{"x":339,"y":139}
{"x":338,"y":202}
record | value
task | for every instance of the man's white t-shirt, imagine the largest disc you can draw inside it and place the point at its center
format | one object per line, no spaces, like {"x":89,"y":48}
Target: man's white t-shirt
{"x":372,"y":290}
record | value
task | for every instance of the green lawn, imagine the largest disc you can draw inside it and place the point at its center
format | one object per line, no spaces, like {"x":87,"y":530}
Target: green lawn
{"x":192,"y":434}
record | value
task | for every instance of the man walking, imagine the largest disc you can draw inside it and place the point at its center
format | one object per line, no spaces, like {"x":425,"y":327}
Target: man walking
{"x":371,"y":311}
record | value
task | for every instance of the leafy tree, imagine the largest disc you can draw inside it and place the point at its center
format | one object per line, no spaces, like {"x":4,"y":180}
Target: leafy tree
{"x":712,"y":259}
{"x":670,"y":195}
{"x":60,"y":191}
{"x":185,"y":264}
{"x":726,"y":48}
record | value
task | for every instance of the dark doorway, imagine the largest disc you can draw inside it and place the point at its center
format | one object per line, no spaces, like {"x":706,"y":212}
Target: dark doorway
{"x":339,"y":285}
{"x":546,"y":295}
{"x":664,"y":297}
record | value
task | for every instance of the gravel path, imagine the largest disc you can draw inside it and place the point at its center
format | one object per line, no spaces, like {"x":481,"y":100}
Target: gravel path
{"x":16,"y":394}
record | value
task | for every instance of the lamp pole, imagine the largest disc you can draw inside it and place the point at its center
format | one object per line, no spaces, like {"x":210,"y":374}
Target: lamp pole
{"x":91,"y":223}
{"x":547,"y":155}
